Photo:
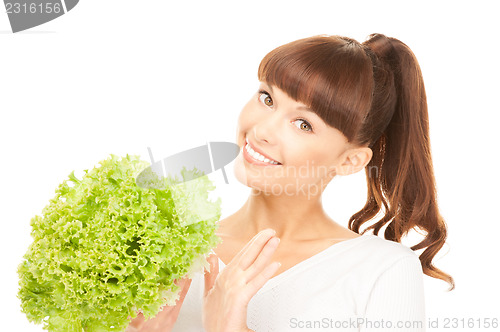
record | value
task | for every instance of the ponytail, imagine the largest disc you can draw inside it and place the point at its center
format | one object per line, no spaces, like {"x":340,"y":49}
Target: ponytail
{"x":373,"y":93}
{"x":405,"y":183}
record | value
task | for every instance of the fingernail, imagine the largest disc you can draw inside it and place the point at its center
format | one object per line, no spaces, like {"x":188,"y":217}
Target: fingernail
{"x":269,"y":229}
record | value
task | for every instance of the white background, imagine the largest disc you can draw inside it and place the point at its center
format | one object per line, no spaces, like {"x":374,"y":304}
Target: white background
{"x":117,"y":76}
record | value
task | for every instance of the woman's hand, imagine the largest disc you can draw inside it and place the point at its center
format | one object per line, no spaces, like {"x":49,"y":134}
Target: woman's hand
{"x":165,"y":319}
{"x":228,"y":293}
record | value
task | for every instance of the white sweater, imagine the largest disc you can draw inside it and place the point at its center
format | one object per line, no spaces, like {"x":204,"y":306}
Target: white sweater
{"x":361,"y":284}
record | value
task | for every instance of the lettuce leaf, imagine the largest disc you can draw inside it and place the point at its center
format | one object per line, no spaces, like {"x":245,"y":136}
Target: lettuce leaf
{"x":105,"y":248}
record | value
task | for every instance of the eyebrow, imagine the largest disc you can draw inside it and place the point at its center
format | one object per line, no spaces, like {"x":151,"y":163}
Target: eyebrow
{"x":305,"y":109}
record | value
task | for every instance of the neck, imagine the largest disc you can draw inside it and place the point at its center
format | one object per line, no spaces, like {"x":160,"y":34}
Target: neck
{"x":294,"y":218}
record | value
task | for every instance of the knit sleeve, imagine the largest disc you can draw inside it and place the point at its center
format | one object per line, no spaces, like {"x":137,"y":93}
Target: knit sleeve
{"x":396,"y":301}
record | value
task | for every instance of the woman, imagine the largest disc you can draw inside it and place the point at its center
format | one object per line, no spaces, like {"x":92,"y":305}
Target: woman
{"x":326,"y":106}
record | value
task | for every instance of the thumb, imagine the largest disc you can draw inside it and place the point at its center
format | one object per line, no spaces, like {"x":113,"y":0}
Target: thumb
{"x":212,"y":275}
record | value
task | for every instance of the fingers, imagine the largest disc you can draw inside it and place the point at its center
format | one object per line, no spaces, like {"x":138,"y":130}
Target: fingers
{"x":260,"y":279}
{"x":131,"y":328}
{"x":166,"y":317}
{"x":170,"y":314}
{"x":263,"y":259}
{"x":237,"y":257}
{"x":184,"y":284}
{"x":251,"y":253}
{"x":249,"y":243}
{"x":136,"y":323}
{"x":212,"y":275}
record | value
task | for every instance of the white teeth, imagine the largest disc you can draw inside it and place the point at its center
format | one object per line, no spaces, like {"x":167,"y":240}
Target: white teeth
{"x":258,"y":156}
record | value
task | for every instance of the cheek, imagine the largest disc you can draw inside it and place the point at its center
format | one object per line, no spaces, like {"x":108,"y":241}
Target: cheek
{"x":299,"y":152}
{"x":246,"y":119}
{"x":245,"y":124}
{"x":309,"y":164}
{"x":242,"y":118}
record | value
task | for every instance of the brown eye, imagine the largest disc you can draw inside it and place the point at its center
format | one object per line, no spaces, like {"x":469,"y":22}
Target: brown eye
{"x":305,"y":126}
{"x":267,"y":99}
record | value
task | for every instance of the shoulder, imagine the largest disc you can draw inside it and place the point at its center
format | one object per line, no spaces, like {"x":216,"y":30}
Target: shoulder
{"x":378,"y":255}
{"x":379,"y":247}
{"x":384,"y":269}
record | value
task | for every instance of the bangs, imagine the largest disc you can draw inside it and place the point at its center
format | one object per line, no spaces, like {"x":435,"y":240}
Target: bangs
{"x":326,"y":73}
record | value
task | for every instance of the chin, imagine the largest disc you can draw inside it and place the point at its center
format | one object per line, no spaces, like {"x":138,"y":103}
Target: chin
{"x":240,"y":172}
{"x":253,"y":178}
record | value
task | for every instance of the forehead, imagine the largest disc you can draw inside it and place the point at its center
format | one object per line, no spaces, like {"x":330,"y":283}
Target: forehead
{"x":321,"y":126}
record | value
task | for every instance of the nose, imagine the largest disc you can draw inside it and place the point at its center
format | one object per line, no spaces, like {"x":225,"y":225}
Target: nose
{"x":267,"y":129}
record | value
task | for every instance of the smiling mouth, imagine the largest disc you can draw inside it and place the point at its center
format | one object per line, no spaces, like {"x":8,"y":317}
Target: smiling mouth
{"x":257,"y":158}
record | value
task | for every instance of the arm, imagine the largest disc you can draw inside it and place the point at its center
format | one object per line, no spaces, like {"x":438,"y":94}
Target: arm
{"x":397,"y":298}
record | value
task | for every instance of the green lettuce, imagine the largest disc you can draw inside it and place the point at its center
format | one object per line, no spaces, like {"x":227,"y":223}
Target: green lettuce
{"x":105,"y":248}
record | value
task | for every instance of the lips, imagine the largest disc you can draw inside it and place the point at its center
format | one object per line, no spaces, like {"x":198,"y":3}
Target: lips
{"x":260,"y":152}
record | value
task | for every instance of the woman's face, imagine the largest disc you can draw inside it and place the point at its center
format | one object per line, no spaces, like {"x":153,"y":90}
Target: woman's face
{"x":308,"y":151}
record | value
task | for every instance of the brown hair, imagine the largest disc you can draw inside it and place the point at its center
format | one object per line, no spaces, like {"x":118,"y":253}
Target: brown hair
{"x":374,"y":94}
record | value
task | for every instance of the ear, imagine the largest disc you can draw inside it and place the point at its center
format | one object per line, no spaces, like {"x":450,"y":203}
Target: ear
{"x":354,"y":160}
